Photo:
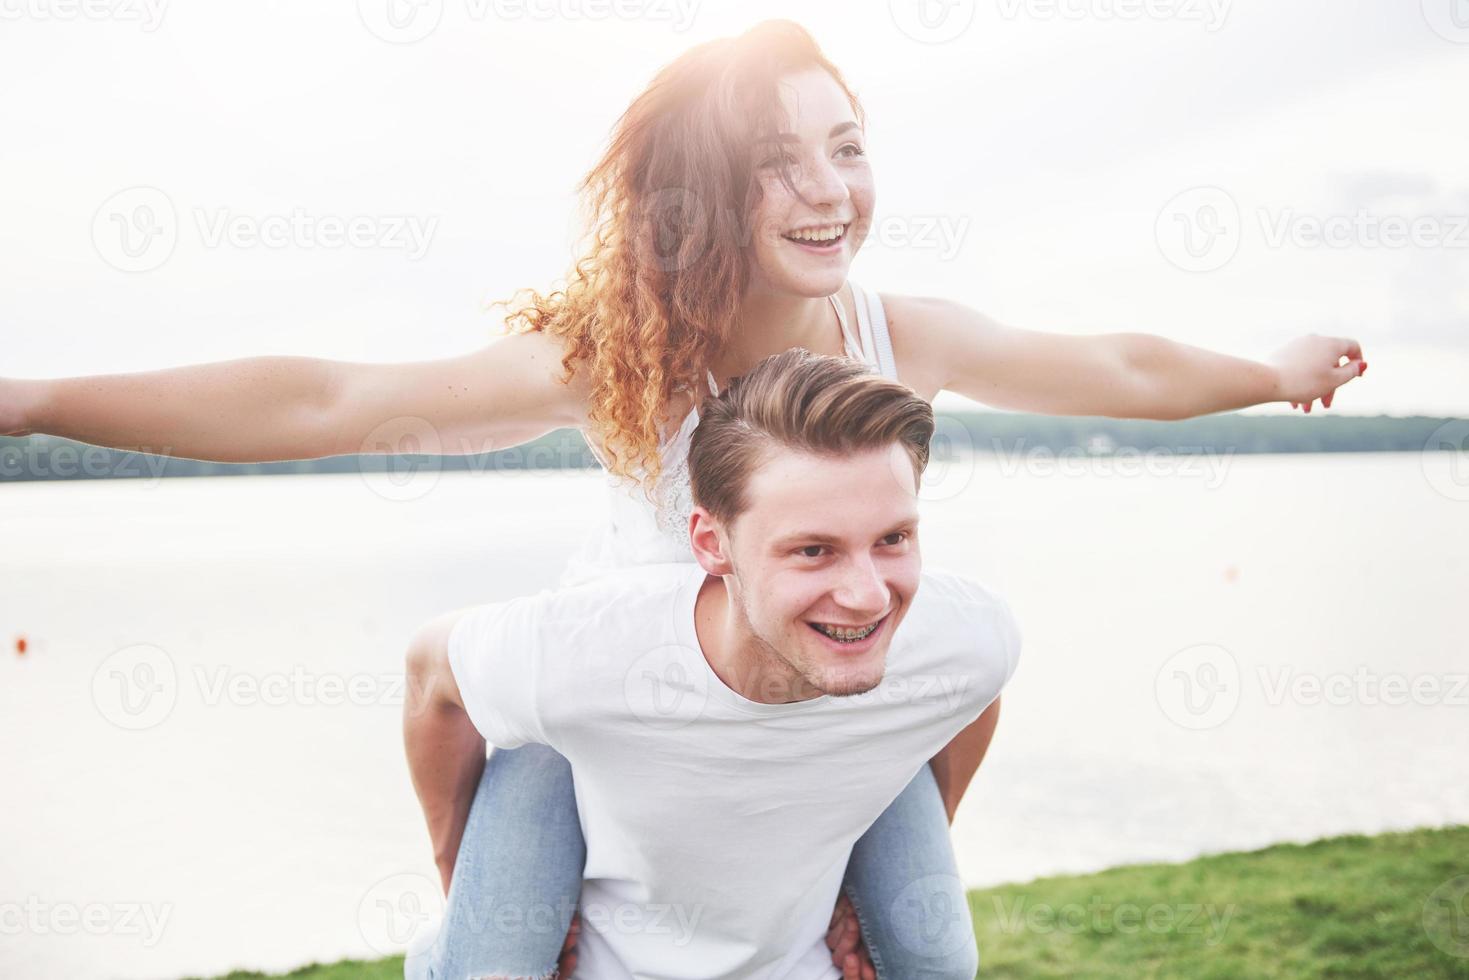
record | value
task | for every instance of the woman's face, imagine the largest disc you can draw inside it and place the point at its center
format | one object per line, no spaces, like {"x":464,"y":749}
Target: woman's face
{"x":807,"y":248}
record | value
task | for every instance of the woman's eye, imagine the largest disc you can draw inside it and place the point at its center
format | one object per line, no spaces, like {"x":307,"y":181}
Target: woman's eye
{"x":856,"y":150}
{"x":787,"y":161}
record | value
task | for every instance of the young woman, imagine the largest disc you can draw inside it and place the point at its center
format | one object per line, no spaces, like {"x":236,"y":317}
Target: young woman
{"x":724,"y":217}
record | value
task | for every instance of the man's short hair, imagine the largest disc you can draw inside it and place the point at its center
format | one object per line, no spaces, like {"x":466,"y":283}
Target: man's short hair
{"x":815,"y":403}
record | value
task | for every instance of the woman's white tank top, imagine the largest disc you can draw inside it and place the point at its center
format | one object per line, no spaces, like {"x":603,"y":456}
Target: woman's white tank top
{"x":637,"y":532}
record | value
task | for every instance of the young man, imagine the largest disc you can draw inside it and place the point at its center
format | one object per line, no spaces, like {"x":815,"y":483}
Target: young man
{"x":735,"y":726}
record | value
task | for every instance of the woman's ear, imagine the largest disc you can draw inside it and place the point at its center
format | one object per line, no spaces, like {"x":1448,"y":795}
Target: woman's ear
{"x":709,"y":542}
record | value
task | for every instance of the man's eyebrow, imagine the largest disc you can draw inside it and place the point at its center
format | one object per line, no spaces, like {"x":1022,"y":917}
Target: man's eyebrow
{"x":818,"y":537}
{"x":836,"y":131}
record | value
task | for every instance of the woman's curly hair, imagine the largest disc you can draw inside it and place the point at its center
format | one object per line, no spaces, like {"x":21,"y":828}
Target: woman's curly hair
{"x":666,"y":257}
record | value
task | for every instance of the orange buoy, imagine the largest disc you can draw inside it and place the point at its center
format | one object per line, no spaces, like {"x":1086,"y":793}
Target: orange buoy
{"x":20,"y":646}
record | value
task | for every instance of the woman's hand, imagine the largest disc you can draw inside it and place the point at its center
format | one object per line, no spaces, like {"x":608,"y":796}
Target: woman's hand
{"x":844,"y":939}
{"x":566,"y":964}
{"x":1308,"y":368}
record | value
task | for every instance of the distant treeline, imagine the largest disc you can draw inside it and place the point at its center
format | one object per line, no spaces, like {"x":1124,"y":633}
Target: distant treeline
{"x":49,"y":458}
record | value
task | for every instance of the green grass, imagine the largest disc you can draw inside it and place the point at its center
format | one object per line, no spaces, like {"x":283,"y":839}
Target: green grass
{"x":1339,"y":908}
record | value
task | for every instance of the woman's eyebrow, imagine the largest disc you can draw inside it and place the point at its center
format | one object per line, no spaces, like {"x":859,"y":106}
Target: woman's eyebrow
{"x":836,"y":131}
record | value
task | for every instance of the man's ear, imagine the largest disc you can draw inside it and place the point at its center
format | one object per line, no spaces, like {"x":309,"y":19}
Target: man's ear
{"x":710,"y":542}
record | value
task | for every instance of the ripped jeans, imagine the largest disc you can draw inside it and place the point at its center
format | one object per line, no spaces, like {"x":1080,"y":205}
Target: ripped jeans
{"x":523,"y":839}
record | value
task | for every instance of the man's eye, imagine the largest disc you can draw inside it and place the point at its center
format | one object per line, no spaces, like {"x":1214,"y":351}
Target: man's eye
{"x":806,"y":551}
{"x":897,"y":537}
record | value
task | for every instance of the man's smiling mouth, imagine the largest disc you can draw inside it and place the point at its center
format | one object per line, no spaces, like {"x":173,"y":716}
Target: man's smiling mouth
{"x":847,"y":634}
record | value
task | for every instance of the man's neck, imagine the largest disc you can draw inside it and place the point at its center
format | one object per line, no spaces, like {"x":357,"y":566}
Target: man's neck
{"x":746,"y":665}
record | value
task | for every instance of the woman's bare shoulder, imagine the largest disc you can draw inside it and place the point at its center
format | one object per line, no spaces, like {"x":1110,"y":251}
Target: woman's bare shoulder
{"x":925,"y":331}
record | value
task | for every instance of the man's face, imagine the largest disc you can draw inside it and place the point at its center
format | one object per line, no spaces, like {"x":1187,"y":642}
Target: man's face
{"x":828,"y":545}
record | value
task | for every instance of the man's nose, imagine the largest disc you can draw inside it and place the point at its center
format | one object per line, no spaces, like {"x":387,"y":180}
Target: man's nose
{"x":862,"y":588}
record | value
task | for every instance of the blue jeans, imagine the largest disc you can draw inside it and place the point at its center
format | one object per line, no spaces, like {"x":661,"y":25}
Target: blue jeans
{"x":517,"y":880}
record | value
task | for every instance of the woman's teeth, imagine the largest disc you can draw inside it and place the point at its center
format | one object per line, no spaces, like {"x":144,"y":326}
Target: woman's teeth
{"x":844,"y":634}
{"x":828,"y":234}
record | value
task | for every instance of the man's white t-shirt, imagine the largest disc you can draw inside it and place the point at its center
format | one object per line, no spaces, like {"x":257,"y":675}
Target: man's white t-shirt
{"x":717,"y":828}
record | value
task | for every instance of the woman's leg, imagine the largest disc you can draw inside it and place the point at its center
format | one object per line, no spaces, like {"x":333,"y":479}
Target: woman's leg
{"x":517,"y":878}
{"x":905,"y":888}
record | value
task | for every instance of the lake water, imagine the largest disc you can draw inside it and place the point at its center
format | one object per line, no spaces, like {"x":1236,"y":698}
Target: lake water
{"x":203,"y":767}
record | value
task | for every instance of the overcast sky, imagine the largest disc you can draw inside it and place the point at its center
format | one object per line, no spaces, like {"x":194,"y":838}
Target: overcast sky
{"x":1227,"y":174}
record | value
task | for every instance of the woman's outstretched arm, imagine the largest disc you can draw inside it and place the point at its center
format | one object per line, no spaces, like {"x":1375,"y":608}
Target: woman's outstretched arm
{"x":260,"y":409}
{"x":945,"y":345}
